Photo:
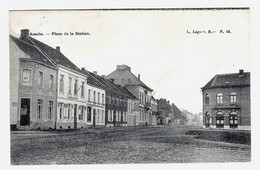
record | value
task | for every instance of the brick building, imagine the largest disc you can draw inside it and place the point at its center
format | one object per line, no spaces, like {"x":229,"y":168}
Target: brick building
{"x":124,"y":77}
{"x":32,"y":87}
{"x":226,"y":101}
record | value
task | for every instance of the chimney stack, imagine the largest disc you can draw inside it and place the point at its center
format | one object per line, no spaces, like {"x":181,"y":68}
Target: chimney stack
{"x":241,"y":72}
{"x":58,"y":48}
{"x":83,"y":69}
{"x":112,"y":80}
{"x":138,"y":76}
{"x":24,"y":33}
{"x":95,"y":72}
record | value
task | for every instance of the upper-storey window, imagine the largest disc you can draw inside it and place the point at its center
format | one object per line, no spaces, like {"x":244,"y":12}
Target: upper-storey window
{"x":89,"y":94}
{"x":61,"y":83}
{"x":70,"y":82}
{"x":75,"y":87}
{"x":207,"y":99}
{"x":40,"y":79}
{"x":51,"y":80}
{"x":233,"y":97}
{"x":219,"y":98}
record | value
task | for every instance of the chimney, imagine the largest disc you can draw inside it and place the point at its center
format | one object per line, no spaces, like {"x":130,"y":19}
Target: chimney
{"x":112,"y":80}
{"x":123,"y":67}
{"x":24,"y":33}
{"x":138,"y":76}
{"x":241,"y":72}
{"x":58,"y":48}
{"x":95,"y":72}
{"x":83,"y":69}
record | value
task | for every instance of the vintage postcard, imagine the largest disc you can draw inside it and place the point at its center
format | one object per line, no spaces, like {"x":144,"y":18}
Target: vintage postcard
{"x":130,"y":86}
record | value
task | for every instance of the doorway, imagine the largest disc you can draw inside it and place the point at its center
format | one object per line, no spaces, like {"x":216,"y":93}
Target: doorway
{"x":25,"y":112}
{"x":94,"y":117}
{"x":75,"y":116}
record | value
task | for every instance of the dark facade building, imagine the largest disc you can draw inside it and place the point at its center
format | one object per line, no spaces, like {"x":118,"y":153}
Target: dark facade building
{"x":226,"y":101}
{"x":115,"y":103}
{"x":124,"y":77}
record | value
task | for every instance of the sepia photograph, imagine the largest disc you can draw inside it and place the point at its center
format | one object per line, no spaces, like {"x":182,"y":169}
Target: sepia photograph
{"x":129,"y":86}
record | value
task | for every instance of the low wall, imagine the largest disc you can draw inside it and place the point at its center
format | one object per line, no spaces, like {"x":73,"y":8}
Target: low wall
{"x":241,"y":137}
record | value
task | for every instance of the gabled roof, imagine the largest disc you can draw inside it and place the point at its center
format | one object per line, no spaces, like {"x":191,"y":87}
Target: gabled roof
{"x":106,"y":84}
{"x":125,"y":74}
{"x":92,"y":80}
{"x":55,"y":55}
{"x":228,"y":80}
{"x":32,"y":51}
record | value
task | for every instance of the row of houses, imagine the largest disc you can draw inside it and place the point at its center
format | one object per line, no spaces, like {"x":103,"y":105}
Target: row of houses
{"x":48,"y":91}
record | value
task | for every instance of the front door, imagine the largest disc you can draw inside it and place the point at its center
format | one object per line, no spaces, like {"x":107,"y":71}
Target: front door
{"x":25,"y":112}
{"x":94,"y":117}
{"x":75,"y":116}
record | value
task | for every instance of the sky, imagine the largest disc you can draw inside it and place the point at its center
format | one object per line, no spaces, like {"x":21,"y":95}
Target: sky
{"x":154,"y":43}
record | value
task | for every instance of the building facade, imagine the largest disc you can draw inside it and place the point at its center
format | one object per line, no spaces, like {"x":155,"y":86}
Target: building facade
{"x":96,"y":96}
{"x":226,"y":102}
{"x":32,"y":87}
{"x":124,"y":77}
{"x":71,"y":85}
{"x":154,"y":111}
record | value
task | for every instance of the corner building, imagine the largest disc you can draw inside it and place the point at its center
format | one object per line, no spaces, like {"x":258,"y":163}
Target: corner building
{"x":226,"y":102}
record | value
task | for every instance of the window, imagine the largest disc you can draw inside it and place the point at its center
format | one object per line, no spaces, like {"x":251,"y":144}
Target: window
{"x":102,"y":98}
{"x":60,"y":111}
{"x":70,"y":82}
{"x":220,"y":120}
{"x":50,"y":109}
{"x":94,"y":96}
{"x":103,"y":116}
{"x":62,"y":83}
{"x":51,"y":82}
{"x":69,"y":111}
{"x":39,"y":109}
{"x":219,"y":97}
{"x":40,"y":79}
{"x":109,"y":115}
{"x":98,"y":115}
{"x":81,"y":112}
{"x":65,"y":113}
{"x":26,"y":76}
{"x":207,"y":99}
{"x":233,"y":120}
{"x":89,"y":94}
{"x":75,"y":87}
{"x":233,"y":97}
{"x":82,"y":90}
{"x":89,"y":114}
{"x":98,"y":97}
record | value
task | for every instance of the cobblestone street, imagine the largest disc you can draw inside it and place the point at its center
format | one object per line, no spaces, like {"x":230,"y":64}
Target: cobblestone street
{"x":121,"y":145}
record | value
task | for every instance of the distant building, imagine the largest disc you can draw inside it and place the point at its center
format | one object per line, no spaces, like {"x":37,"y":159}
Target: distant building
{"x":165,"y":116}
{"x":124,"y":77}
{"x":154,"y":111}
{"x":226,"y":101}
{"x":32,"y":87}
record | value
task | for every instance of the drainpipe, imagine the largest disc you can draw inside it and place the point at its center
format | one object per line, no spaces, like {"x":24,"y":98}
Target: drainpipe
{"x":56,"y":107}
